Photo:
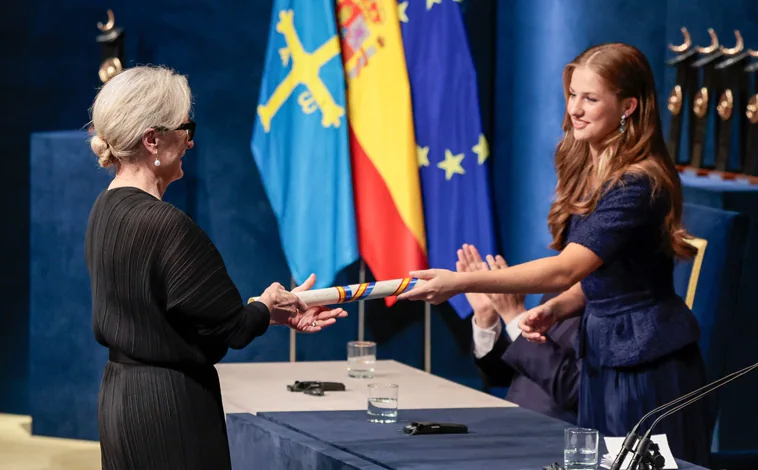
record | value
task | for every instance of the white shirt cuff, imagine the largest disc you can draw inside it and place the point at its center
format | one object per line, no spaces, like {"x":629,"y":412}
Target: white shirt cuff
{"x":485,"y":338}
{"x":512,"y":327}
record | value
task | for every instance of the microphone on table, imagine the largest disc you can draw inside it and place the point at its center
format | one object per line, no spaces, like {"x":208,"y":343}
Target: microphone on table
{"x":640,"y":452}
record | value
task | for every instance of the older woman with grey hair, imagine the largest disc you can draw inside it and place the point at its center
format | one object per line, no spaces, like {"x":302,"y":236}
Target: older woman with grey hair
{"x":162,"y":300}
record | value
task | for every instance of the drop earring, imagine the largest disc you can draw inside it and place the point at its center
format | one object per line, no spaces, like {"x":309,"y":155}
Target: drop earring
{"x":157,"y":162}
{"x":622,"y":129}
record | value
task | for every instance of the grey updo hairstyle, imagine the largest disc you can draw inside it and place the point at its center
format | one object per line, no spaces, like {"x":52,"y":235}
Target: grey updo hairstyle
{"x":131,"y":102}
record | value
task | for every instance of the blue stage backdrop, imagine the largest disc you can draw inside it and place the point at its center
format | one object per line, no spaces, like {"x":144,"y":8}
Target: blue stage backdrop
{"x":50,"y":78}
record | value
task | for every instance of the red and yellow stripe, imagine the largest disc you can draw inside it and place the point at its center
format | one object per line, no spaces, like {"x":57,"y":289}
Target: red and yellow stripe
{"x":359,"y":291}
{"x":342,"y":294}
{"x":403,"y":284}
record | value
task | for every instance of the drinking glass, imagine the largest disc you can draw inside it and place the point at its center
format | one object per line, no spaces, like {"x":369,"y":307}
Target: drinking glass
{"x":580,"y":450}
{"x":382,"y":403}
{"x":361,"y":357}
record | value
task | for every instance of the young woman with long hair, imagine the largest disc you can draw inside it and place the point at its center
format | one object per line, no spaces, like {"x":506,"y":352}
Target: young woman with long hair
{"x":616,"y":221}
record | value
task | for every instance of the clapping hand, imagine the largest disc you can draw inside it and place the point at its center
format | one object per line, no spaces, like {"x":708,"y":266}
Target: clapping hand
{"x":470,"y":261}
{"x":508,"y":306}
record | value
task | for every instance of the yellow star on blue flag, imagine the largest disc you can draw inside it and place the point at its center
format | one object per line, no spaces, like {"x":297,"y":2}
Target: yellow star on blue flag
{"x":451,"y":165}
{"x":455,"y":183}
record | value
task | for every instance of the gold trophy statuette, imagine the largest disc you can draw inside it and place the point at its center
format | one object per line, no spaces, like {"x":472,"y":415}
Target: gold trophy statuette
{"x":112,"y":41}
{"x":726,"y":100}
{"x":675,"y":100}
{"x":701,"y":103}
{"x":752,"y":110}
{"x":726,"y":105}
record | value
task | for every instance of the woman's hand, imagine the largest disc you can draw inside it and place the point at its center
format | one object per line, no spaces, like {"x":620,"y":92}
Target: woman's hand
{"x":282,"y":305}
{"x":314,"y":319}
{"x":535,"y":323}
{"x":439,"y":285}
{"x":287,"y":309}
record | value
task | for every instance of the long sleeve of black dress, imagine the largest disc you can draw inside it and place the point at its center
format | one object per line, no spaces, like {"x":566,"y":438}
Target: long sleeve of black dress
{"x":161,"y":292}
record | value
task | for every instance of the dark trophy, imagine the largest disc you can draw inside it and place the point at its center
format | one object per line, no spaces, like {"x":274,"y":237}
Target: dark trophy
{"x":112,"y":42}
{"x":703,"y":98}
{"x":732,"y":89}
{"x":683,"y":93}
{"x":751,"y":113}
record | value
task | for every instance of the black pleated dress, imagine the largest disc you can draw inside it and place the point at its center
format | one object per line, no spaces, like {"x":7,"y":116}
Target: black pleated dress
{"x":164,"y":305}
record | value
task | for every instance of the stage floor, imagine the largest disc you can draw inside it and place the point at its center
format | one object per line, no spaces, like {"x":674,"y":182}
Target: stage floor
{"x":19,"y":449}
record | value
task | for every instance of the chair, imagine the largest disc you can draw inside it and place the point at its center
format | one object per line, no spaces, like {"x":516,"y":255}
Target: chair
{"x":710,"y":282}
{"x":710,"y":286}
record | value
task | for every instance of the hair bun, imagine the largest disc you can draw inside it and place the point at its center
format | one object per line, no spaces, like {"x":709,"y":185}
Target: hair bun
{"x":103,"y":151}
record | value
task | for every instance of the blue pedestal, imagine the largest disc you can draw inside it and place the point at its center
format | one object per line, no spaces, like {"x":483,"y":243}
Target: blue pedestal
{"x":738,"y":421}
{"x":65,"y":361}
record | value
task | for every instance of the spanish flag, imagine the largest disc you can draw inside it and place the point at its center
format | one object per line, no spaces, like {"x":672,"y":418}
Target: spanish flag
{"x":388,"y":206}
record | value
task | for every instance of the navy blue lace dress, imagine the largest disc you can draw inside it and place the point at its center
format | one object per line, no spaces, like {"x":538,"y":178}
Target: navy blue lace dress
{"x":638,"y":340}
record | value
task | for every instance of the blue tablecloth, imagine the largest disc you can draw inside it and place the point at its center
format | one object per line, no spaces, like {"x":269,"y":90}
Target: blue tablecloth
{"x":498,"y":438}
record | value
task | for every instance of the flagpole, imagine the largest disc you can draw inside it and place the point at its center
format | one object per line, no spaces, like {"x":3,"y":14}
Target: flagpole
{"x":428,"y":337}
{"x":362,"y":304}
{"x":293,"y":333}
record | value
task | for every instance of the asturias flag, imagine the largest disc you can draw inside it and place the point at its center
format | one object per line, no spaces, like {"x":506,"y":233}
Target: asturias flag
{"x":385,"y":171}
{"x":300,"y":140}
{"x":452,"y":150}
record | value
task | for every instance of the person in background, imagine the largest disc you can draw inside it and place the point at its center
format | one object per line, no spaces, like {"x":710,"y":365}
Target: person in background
{"x":540,"y":377}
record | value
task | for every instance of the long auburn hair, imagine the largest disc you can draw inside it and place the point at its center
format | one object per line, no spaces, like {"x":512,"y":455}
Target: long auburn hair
{"x":640,"y":150}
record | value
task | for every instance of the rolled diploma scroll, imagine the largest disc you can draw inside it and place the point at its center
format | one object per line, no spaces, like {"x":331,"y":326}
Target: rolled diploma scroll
{"x":355,"y":292}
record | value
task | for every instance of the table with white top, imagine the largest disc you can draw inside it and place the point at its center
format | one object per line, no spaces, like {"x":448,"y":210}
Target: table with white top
{"x":259,"y":387}
{"x":273,"y":428}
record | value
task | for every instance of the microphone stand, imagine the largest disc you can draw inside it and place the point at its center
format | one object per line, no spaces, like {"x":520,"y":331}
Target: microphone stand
{"x":645,"y":454}
{"x":641,"y":454}
{"x":631,"y":438}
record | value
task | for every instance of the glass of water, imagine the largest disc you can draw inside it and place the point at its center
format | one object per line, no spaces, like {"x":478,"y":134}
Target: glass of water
{"x":580,"y":450}
{"x":361,"y":357}
{"x":382,"y":403}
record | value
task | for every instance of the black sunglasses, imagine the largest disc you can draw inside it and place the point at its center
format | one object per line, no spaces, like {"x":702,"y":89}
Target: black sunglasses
{"x":188,"y":126}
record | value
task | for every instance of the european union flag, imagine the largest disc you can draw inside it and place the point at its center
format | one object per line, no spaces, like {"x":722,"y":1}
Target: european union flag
{"x":300,"y":140}
{"x":452,"y":150}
